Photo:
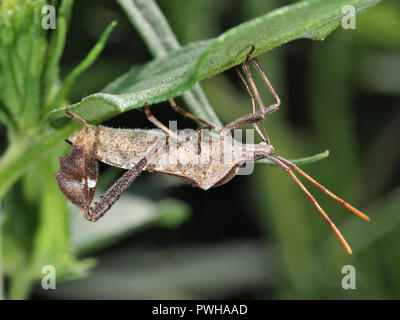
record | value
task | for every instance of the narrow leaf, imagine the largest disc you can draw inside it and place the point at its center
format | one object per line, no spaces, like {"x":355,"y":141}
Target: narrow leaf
{"x":300,"y":161}
{"x":148,"y":19}
{"x":55,"y":50}
{"x":179,"y":70}
{"x":84,"y":65}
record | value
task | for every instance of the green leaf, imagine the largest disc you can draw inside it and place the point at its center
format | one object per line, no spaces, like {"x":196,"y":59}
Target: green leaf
{"x":36,"y":231}
{"x":34,"y":62}
{"x":83,"y":66}
{"x":152,"y":25}
{"x":300,"y":161}
{"x":10,"y":94}
{"x":51,"y":242}
{"x":55,"y":51}
{"x":150,"y":22}
{"x":179,"y":70}
{"x":20,"y":155}
{"x":6,"y":118}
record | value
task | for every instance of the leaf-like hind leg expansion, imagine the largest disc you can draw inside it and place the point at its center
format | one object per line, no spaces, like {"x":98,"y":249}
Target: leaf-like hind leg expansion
{"x":78,"y":174}
{"x":77,"y":178}
{"x":123,"y":183}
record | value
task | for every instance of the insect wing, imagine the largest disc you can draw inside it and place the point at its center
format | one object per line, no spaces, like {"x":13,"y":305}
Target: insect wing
{"x":77,"y":177}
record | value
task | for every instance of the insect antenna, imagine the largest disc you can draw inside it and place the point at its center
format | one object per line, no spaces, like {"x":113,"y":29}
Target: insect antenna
{"x":286,"y":165}
{"x":332,"y":195}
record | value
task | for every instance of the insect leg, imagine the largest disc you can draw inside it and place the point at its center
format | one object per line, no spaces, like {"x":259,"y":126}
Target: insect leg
{"x":123,"y":183}
{"x":189,"y":115}
{"x":253,"y":107}
{"x":243,"y":121}
{"x":276,"y":105}
{"x":259,"y":115}
{"x":247,"y":71}
{"x":75,"y":117}
{"x":158,"y":123}
{"x":79,"y":120}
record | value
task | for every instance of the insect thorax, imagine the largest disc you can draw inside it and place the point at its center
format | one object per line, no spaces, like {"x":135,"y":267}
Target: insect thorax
{"x":201,"y":158}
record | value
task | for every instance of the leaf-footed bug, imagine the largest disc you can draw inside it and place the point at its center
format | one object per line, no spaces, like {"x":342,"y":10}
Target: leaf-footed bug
{"x":166,"y":152}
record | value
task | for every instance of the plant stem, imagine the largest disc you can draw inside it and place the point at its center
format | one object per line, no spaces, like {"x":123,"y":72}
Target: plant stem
{"x":300,"y":161}
{"x":19,"y":287}
{"x":86,"y":63}
{"x":1,"y":261}
{"x":24,"y":151}
{"x":7,"y":161}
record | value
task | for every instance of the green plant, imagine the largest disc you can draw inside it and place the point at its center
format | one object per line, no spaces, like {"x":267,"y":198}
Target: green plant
{"x":34,"y":229}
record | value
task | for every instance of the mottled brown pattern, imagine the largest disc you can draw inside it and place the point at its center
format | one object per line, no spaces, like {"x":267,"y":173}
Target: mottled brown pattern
{"x":201,"y":162}
{"x":124,"y":148}
{"x":77,"y":177}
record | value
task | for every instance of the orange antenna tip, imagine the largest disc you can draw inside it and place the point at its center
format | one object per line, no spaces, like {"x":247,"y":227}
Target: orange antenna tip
{"x":316,"y":204}
{"x":332,"y":195}
{"x":341,"y":238}
{"x":354,"y":210}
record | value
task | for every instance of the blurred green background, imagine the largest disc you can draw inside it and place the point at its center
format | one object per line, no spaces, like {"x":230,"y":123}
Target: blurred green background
{"x":257,"y":237}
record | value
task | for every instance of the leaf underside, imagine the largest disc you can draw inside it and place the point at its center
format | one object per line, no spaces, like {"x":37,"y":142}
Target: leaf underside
{"x":173,"y":74}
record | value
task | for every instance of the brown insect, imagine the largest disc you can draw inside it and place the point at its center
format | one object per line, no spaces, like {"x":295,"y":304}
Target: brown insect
{"x":137,"y":150}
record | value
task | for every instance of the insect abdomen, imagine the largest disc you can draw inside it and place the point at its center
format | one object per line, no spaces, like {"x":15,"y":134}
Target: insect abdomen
{"x":122,"y":148}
